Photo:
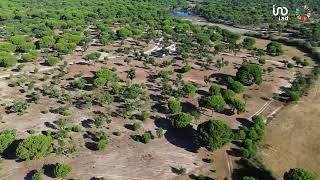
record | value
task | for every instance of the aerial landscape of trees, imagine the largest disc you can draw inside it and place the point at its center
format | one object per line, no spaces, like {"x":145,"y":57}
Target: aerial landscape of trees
{"x":80,"y":82}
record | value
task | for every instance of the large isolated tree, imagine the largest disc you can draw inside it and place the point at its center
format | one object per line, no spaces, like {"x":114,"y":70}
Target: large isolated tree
{"x":249,"y":74}
{"x":214,"y":134}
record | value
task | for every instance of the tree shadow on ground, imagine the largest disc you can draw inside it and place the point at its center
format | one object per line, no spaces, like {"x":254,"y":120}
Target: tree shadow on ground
{"x":10,"y":152}
{"x":129,"y":126}
{"x":87,"y":123}
{"x":184,"y":138}
{"x":189,"y":107}
{"x":234,"y":152}
{"x":251,"y":168}
{"x":30,"y":174}
{"x":49,"y":170}
{"x":175,"y":170}
{"x":91,"y":146}
{"x":50,"y":125}
{"x":195,"y":177}
{"x":160,"y":108}
{"x":220,"y":78}
{"x":227,"y":112}
{"x":245,"y":122}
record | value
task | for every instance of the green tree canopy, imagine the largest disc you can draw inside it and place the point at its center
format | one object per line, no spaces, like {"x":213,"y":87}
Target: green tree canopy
{"x":34,"y":147}
{"x":6,"y":138}
{"x":214,"y":134}
{"x":182,"y":120}
{"x":298,"y":174}
{"x":249,"y":74}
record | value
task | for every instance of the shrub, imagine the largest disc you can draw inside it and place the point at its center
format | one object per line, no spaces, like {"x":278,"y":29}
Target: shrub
{"x":79,"y":83}
{"x":38,"y":175}
{"x":214,"y":134}
{"x":215,"y":89}
{"x":62,"y":170}
{"x":34,"y":147}
{"x":182,"y":120}
{"x":189,"y":89}
{"x":215,"y":103}
{"x":235,"y":86}
{"x":7,"y":59}
{"x":136,"y":126}
{"x":6,"y":139}
{"x":160,"y":132}
{"x":146,"y":137}
{"x":182,"y":171}
{"x":174,"y":106}
{"x":274,"y":48}
{"x":145,"y":115}
{"x":76,"y":128}
{"x":51,"y":61}
{"x":102,"y":144}
{"x":298,"y":174}
{"x":262,"y":60}
{"x":19,"y":107}
{"x":186,"y":68}
{"x":290,"y":65}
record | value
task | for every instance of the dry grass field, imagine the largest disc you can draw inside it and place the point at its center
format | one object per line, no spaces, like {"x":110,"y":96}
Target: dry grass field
{"x":292,"y":137}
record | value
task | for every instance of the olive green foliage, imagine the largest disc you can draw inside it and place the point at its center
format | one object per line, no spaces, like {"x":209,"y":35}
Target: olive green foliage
{"x":251,"y":137}
{"x":131,"y":73}
{"x":301,"y":85}
{"x":274,"y":48}
{"x":7,"y":59}
{"x":104,"y":76}
{"x":19,"y":107}
{"x":215,"y":89}
{"x":93,"y":56}
{"x":102,"y":144}
{"x":51,"y":61}
{"x":145,"y":115}
{"x":34,"y":147}
{"x":214,"y":134}
{"x":186,"y":68}
{"x":249,"y":74}
{"x":298,"y":174}
{"x":235,"y":86}
{"x":136,"y":126}
{"x":6,"y":139}
{"x":174,"y":106}
{"x":182,"y":120}
{"x":62,"y":170}
{"x":248,"y":42}
{"x":146,"y":137}
{"x":189,"y":89}
{"x":215,"y":103}
{"x":79,"y":83}
{"x":38,"y":175}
